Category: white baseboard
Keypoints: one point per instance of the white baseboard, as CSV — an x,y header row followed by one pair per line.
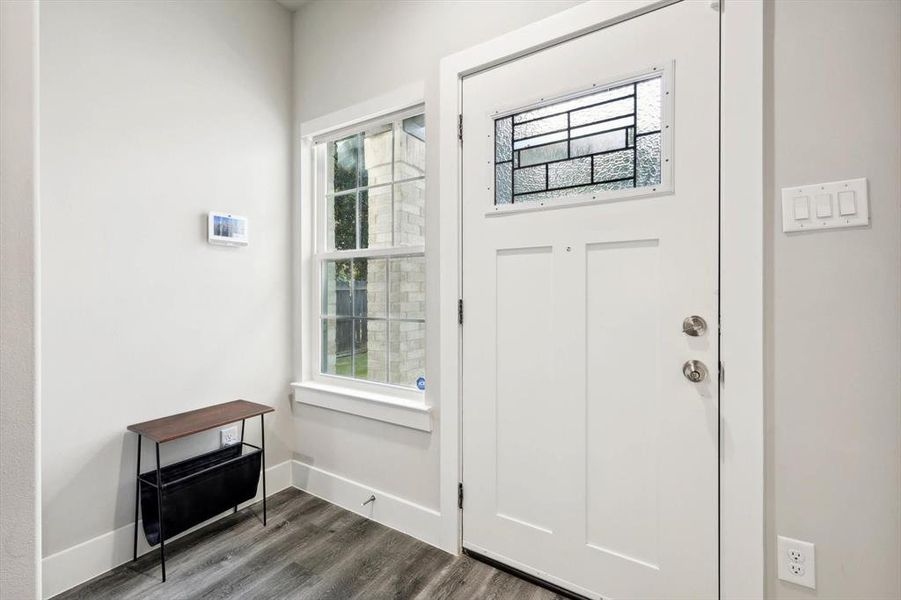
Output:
x,y
394,512
75,565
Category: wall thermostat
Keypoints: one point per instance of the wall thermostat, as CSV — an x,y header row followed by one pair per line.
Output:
x,y
226,229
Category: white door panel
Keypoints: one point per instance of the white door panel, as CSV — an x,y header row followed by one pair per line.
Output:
x,y
621,436
523,380
588,457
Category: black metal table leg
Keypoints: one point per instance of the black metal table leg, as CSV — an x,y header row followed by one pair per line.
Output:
x,y
242,450
159,511
263,463
137,495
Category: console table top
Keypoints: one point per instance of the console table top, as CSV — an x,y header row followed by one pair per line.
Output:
x,y
184,424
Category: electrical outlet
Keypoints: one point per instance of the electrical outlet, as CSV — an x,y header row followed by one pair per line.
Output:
x,y
797,562
229,436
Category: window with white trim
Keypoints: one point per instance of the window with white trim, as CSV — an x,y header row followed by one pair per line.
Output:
x,y
370,210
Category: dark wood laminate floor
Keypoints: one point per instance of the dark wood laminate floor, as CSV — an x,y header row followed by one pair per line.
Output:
x,y
310,550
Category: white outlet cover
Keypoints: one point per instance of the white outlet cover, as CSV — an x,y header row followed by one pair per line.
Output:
x,y
228,436
797,562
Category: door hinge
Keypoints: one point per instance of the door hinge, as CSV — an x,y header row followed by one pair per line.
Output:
x,y
460,311
460,496
460,127
722,372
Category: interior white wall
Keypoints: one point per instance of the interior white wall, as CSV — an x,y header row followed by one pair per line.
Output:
x,y
834,351
191,113
346,52
154,113
20,493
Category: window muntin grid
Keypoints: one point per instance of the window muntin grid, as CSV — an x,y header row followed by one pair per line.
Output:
x,y
601,141
371,264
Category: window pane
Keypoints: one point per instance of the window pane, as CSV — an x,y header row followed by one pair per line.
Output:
x,y
409,213
649,105
375,199
546,125
601,142
605,126
615,185
603,112
648,148
343,163
409,148
570,172
543,154
370,287
529,180
503,183
375,217
370,350
614,165
341,221
406,358
539,140
503,139
406,293
336,282
377,156
337,347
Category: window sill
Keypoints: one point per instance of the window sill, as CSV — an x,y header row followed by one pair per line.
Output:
x,y
379,407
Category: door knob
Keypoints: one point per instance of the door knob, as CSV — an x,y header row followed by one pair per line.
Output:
x,y
695,371
694,326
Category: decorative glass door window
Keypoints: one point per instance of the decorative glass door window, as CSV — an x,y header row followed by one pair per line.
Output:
x,y
600,141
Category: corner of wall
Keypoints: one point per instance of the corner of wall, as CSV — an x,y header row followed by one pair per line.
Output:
x,y
20,467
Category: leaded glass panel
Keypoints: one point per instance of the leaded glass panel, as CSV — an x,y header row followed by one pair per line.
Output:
x,y
600,141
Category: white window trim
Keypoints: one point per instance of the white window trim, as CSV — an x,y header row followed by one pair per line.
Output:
x,y
741,247
379,407
382,402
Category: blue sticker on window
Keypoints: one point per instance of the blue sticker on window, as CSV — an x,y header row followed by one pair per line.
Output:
x,y
420,383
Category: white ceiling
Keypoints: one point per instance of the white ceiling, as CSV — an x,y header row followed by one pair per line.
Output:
x,y
292,4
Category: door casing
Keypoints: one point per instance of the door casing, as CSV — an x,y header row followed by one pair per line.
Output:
x,y
741,264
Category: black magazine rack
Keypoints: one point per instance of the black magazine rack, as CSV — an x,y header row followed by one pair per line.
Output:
x,y
176,497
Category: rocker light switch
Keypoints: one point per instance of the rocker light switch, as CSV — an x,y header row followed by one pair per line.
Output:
x,y
802,208
825,206
846,204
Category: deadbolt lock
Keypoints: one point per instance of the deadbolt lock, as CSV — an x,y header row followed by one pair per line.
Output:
x,y
694,326
695,371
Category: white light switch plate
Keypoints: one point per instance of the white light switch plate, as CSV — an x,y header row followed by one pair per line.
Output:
x,y
828,206
797,561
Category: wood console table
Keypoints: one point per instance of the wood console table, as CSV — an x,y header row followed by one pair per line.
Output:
x,y
202,486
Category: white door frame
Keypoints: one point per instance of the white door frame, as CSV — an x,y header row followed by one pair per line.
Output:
x,y
741,265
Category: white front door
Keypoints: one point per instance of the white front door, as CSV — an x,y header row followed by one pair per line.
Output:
x,y
590,195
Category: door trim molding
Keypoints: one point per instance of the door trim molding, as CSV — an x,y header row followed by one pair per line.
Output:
x,y
741,266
